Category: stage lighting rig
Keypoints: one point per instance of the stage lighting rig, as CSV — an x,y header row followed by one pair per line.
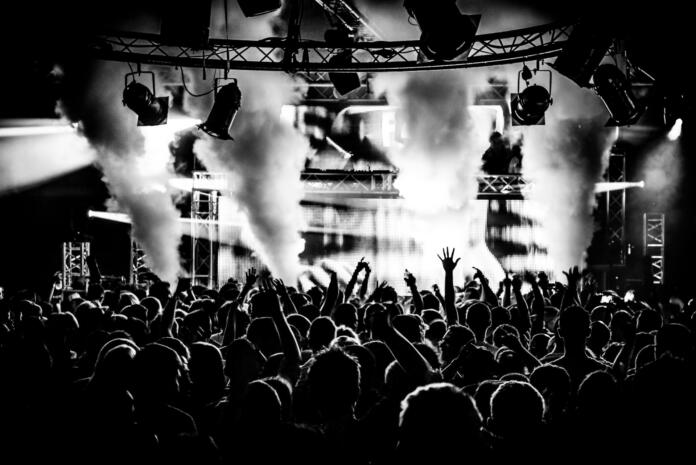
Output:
x,y
258,7
344,83
529,106
583,52
446,33
228,100
615,91
151,110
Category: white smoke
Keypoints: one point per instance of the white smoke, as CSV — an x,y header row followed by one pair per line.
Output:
x,y
264,162
439,161
564,159
93,97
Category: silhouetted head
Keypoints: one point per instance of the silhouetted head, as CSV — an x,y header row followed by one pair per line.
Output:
x,y
517,410
675,339
264,334
574,327
243,361
300,322
206,370
478,318
261,406
114,368
157,372
436,331
434,419
483,395
499,316
553,382
648,320
429,315
283,389
161,291
347,315
309,311
539,345
334,383
599,337
153,306
321,333
410,326
430,301
598,395
455,338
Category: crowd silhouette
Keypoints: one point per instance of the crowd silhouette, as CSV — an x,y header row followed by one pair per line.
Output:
x,y
260,372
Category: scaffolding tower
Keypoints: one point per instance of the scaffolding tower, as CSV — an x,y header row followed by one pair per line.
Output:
x,y
654,245
205,227
138,265
75,264
616,209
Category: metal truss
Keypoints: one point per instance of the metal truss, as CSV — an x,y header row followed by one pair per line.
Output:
x,y
502,185
138,267
351,183
350,18
535,43
616,207
75,264
205,228
654,245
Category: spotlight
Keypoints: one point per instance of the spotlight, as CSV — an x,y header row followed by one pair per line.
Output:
x,y
582,53
228,99
676,130
615,91
675,108
258,7
445,32
530,105
344,83
151,110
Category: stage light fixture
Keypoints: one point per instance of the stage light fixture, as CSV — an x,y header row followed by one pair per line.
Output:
x,y
530,105
228,100
151,110
582,53
258,7
615,91
446,33
344,83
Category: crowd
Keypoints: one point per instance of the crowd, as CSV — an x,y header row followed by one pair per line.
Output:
x,y
260,372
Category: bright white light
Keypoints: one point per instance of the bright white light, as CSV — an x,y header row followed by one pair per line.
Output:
x,y
157,138
676,130
34,127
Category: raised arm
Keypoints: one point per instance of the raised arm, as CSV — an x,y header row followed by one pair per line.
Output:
x,y
487,295
282,291
507,284
331,296
410,359
537,307
521,304
365,282
249,280
169,310
571,297
415,295
291,349
354,279
449,264
513,342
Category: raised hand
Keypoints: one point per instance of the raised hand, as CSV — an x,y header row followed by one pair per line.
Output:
x,y
572,276
436,289
507,282
516,283
278,286
480,276
250,277
409,278
362,265
447,259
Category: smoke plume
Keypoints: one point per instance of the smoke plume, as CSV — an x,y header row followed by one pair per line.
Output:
x,y
439,161
92,97
264,162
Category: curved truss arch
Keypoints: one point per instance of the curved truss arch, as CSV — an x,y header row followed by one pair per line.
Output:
x,y
281,54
